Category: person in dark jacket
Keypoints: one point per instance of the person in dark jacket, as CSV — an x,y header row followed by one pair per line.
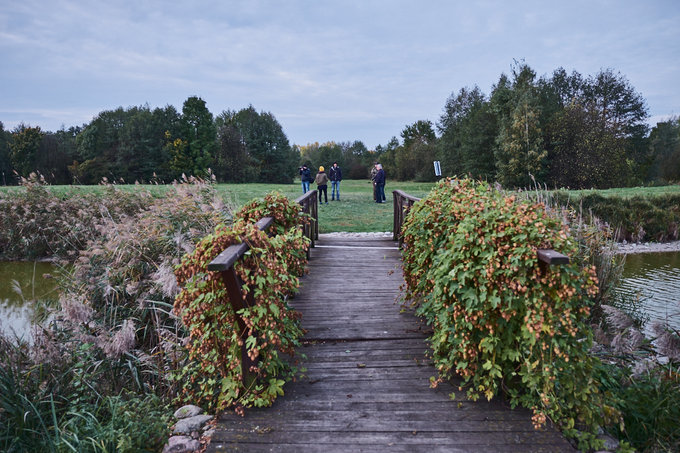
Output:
x,y
306,178
379,181
335,175
322,184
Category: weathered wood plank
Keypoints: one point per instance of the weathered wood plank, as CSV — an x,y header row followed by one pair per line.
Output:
x,y
367,381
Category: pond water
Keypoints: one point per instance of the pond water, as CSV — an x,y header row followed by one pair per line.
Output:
x,y
655,279
25,289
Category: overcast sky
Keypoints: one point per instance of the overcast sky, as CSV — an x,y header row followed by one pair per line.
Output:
x,y
327,70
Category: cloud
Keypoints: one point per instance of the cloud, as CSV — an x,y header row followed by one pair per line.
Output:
x,y
356,67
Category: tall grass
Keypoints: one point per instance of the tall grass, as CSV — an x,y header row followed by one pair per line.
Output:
x,y
97,378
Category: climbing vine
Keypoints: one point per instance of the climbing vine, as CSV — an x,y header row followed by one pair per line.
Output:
x,y
499,323
269,272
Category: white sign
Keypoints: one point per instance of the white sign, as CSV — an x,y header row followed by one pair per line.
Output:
x,y
437,168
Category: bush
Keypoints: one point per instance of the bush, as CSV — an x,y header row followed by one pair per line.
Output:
x,y
637,218
470,265
35,223
214,377
111,347
52,407
649,404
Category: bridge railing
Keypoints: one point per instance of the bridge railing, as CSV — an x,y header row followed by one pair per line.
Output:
x,y
403,203
224,264
310,208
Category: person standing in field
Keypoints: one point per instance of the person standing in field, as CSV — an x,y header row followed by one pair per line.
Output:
x,y
335,175
379,184
306,178
374,170
322,184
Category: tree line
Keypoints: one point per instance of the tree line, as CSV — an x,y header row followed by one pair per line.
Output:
x,y
139,144
561,130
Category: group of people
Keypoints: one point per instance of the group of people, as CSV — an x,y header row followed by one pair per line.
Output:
x,y
334,175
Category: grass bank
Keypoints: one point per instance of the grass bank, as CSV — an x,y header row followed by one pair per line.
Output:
x,y
355,212
635,214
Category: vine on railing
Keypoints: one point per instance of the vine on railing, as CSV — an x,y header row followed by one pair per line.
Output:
x,y
500,320
235,306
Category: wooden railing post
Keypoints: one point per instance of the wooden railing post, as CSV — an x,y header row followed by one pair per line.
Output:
x,y
549,257
310,207
402,203
224,264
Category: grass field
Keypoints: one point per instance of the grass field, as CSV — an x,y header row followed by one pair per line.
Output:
x,y
355,212
627,192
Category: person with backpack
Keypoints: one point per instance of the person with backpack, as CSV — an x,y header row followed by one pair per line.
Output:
x,y
322,184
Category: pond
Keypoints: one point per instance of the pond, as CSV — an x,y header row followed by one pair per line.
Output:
x,y
25,290
654,278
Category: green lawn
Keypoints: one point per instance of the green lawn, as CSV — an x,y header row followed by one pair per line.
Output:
x,y
356,212
627,192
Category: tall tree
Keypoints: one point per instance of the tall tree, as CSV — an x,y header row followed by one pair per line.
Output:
x,y
98,145
24,148
6,173
664,146
520,153
232,162
413,159
468,130
199,132
272,157
587,154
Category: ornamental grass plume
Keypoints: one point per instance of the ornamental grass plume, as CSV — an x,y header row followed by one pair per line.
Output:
x,y
617,318
667,341
121,342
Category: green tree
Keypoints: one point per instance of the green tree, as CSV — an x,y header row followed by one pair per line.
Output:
x,y
664,147
24,148
142,153
356,160
468,131
413,159
199,131
98,145
520,153
587,154
6,173
271,156
232,162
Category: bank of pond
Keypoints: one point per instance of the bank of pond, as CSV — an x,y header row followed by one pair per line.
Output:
x,y
650,280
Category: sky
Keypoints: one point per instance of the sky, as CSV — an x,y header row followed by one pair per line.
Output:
x,y
327,70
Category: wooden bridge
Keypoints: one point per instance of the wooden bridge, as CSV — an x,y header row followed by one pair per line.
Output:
x,y
367,384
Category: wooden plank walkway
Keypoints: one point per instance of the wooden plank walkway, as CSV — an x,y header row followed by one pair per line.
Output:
x,y
367,382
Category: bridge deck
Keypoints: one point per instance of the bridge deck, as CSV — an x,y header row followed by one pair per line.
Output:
x,y
366,387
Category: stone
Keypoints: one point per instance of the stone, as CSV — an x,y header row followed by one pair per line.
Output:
x,y
610,444
188,411
181,444
187,425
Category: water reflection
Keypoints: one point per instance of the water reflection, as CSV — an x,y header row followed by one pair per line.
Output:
x,y
24,293
655,278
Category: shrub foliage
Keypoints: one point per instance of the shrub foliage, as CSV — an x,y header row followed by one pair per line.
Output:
x,y
499,323
634,219
269,272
